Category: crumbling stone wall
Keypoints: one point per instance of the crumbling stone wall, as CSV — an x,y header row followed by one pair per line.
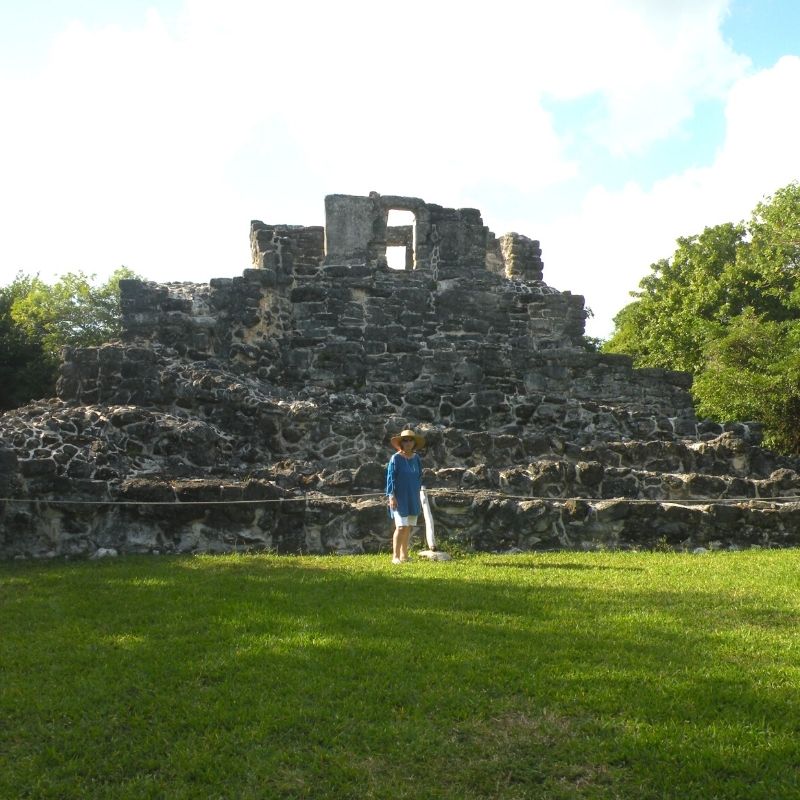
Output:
x,y
432,340
262,406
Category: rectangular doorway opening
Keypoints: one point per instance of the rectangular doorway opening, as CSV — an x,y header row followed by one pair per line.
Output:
x,y
401,235
396,257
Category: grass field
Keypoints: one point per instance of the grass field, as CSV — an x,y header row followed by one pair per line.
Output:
x,y
563,675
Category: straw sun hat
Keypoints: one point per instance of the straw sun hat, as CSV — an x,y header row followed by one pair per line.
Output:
x,y
419,441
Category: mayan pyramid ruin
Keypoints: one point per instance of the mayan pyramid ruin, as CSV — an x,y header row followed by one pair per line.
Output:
x,y
254,413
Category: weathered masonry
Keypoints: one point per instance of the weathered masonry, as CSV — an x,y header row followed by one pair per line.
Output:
x,y
282,387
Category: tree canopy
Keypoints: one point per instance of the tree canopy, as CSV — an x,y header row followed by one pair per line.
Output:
x,y
38,319
726,307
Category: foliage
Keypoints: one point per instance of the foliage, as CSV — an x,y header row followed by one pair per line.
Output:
x,y
27,370
555,675
72,311
684,302
725,307
775,247
38,319
591,343
753,372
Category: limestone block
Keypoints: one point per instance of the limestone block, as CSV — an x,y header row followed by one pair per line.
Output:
x,y
349,226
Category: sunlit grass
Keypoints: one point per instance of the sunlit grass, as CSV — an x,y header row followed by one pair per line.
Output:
x,y
631,675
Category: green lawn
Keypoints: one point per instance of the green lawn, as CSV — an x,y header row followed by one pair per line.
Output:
x,y
563,675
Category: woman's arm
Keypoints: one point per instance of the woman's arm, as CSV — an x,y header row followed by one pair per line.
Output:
x,y
390,476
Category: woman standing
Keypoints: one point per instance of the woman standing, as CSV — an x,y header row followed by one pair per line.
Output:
x,y
403,482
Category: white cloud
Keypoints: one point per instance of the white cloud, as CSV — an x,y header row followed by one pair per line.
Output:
x,y
605,248
114,155
761,146
650,62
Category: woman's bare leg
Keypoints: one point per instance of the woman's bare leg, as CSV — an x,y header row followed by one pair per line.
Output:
x,y
400,542
396,544
404,540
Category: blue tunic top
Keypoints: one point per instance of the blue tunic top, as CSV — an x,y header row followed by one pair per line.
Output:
x,y
404,480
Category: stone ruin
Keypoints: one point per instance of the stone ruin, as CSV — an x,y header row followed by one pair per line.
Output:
x,y
254,413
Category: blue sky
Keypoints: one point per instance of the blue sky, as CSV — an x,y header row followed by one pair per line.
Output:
x,y
764,29
150,133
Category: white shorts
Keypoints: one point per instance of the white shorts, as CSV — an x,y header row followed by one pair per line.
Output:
x,y
404,522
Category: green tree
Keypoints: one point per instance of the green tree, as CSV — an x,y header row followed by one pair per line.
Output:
x,y
753,372
686,301
775,248
72,311
27,371
726,307
38,319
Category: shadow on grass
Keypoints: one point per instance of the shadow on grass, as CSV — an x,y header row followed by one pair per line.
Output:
x,y
562,565
301,678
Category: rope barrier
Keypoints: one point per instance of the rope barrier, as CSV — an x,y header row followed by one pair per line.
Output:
x,y
304,497
433,492
686,501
